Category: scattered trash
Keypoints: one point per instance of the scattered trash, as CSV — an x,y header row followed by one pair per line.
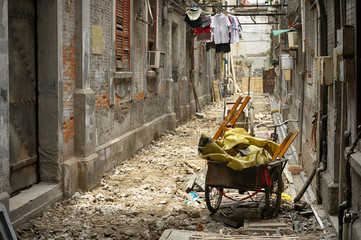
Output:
x,y
192,199
295,169
145,195
286,197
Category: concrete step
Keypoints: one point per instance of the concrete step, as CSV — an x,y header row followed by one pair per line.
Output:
x,y
32,201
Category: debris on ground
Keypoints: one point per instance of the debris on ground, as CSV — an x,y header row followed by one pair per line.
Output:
x,y
162,187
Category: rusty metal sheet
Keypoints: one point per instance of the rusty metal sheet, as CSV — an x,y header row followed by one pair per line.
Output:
x,y
218,174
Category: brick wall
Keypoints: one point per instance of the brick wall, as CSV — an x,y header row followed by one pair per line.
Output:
x,y
330,26
311,98
68,76
139,99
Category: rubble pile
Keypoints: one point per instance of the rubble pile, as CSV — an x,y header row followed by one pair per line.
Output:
x,y
147,194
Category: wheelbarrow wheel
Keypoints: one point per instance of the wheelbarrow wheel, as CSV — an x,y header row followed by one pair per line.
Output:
x,y
273,193
213,198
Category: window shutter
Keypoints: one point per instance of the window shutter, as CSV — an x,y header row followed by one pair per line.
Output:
x,y
152,30
122,42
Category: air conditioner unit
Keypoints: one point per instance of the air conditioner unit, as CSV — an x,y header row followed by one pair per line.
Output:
x,y
324,70
156,59
292,40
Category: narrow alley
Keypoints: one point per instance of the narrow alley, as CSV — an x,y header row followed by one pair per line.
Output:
x,y
146,195
180,119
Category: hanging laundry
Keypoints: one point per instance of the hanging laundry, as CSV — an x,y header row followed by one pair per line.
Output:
x,y
202,30
239,24
206,19
223,47
219,25
210,45
205,37
193,17
203,34
234,29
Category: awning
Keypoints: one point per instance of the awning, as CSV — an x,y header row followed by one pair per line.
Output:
x,y
278,32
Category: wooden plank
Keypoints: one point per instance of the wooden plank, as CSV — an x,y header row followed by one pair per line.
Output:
x,y
190,183
216,90
279,149
176,234
288,144
239,111
235,86
227,118
264,225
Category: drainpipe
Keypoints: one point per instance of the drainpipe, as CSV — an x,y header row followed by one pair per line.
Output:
x,y
324,91
302,73
344,205
348,190
323,159
343,115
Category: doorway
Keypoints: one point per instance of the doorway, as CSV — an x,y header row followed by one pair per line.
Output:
x,y
23,97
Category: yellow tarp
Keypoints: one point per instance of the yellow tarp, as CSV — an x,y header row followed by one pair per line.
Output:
x,y
237,148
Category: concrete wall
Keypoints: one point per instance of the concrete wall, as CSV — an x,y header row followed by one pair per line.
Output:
x,y
4,105
92,117
132,108
312,101
254,48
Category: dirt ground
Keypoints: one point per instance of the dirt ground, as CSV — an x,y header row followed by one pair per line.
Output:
x,y
146,195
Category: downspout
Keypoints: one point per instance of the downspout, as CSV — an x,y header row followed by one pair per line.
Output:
x,y
323,159
344,205
323,142
347,135
345,216
302,73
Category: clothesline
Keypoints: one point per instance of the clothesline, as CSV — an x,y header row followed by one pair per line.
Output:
x,y
220,29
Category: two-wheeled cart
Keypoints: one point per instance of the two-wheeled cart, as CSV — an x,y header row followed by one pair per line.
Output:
x,y
265,179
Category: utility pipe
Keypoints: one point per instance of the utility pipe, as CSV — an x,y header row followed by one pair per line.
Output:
x,y
343,118
307,183
324,91
323,159
348,187
344,205
302,74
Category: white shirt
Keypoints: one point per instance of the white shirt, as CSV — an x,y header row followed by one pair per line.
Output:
x,y
219,25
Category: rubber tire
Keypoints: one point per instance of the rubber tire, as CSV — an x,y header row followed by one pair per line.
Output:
x,y
208,190
273,207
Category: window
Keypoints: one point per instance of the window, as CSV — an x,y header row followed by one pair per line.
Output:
x,y
152,30
122,42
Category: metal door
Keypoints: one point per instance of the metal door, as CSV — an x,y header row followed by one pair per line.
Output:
x,y
22,94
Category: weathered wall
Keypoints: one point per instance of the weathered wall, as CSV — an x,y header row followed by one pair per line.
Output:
x,y
68,35
4,105
80,90
351,88
254,48
311,87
